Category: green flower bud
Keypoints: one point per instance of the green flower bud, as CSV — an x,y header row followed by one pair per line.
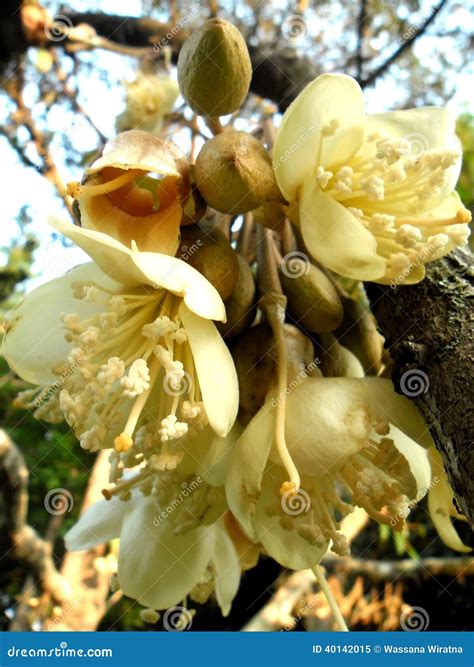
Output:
x,y
234,173
313,300
241,305
214,69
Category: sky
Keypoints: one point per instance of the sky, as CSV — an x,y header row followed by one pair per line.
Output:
x,y
103,103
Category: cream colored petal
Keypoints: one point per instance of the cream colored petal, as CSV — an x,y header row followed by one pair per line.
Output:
x,y
384,403
295,153
34,342
246,467
280,542
327,421
336,238
136,149
215,370
427,128
208,455
441,506
226,569
418,463
100,523
157,567
134,268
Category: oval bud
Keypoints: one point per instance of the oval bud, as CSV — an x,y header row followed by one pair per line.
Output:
x,y
358,332
214,69
207,249
241,305
234,173
313,300
337,360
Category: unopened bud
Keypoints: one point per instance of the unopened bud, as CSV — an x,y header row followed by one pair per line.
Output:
x,y
337,360
234,174
241,305
358,332
214,69
313,300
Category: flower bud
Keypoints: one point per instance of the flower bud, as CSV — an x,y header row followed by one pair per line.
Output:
x,y
358,332
134,191
337,360
255,358
207,249
234,173
241,305
214,69
312,298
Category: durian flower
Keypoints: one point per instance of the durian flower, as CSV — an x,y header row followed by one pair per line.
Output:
x,y
342,433
441,505
136,190
373,195
173,542
124,342
149,98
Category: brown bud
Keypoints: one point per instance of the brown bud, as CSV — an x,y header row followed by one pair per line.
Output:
x,y
207,249
241,305
337,360
358,332
312,298
234,173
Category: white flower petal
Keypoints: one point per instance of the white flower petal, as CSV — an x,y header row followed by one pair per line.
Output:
x,y
330,96
226,569
283,544
418,462
208,455
133,268
441,506
326,422
100,523
157,567
335,237
247,463
34,342
426,128
386,404
215,370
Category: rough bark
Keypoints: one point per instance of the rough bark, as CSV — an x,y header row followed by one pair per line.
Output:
x,y
429,332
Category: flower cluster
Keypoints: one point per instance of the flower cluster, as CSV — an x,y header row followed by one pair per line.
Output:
x,y
217,458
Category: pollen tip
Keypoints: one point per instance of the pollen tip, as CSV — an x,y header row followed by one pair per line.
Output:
x,y
106,493
123,442
289,489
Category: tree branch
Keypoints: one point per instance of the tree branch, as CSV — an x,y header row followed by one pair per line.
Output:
x,y
428,332
404,46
